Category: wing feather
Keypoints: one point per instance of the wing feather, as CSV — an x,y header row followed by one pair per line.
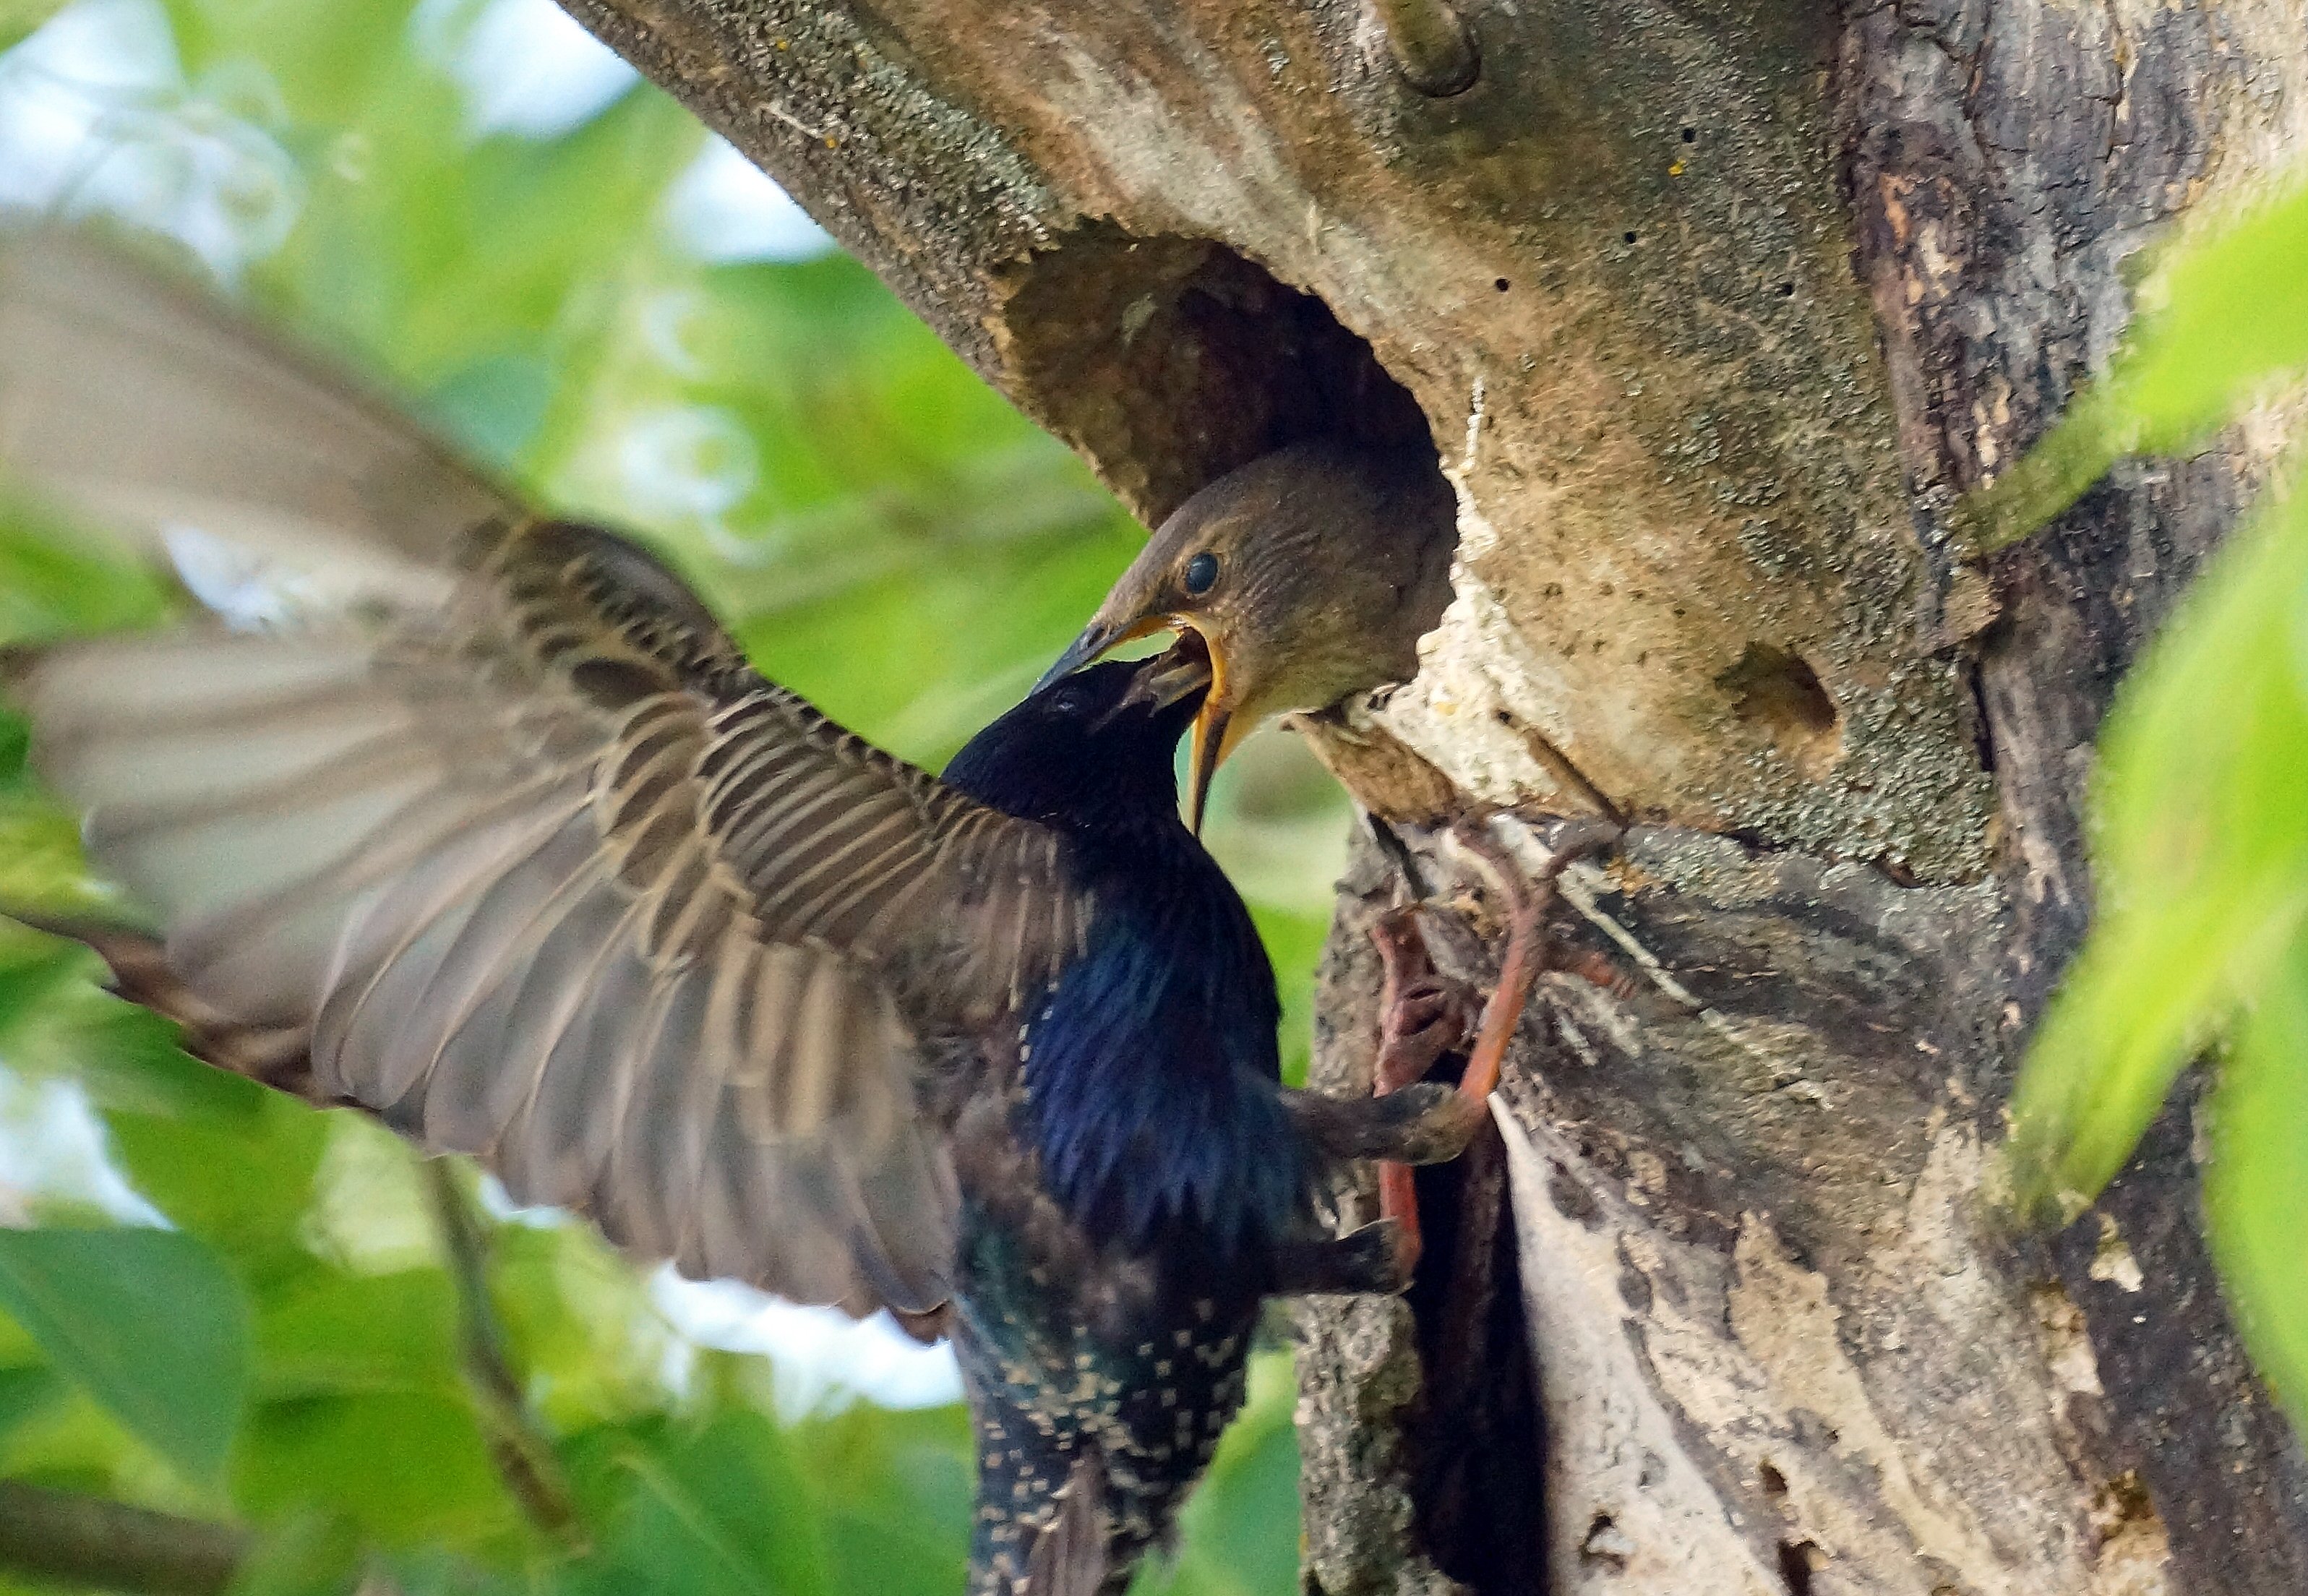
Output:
x,y
548,876
146,408
518,848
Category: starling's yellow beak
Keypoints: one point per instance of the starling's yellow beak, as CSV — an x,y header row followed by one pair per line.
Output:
x,y
1217,729
1216,732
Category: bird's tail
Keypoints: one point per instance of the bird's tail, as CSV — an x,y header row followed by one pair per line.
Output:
x,y
1069,1557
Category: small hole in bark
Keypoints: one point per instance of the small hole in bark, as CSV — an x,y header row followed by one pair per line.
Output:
x,y
1628,236
1785,290
1798,1561
1502,285
1605,1543
1690,135
1774,1484
1776,691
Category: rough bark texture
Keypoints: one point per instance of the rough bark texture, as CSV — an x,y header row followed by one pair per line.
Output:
x,y
1710,310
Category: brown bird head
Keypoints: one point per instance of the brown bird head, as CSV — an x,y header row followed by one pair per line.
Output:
x,y
1309,575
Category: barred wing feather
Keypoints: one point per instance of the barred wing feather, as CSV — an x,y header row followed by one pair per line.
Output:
x,y
551,877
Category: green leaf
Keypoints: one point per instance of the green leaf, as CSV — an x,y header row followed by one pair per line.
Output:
x,y
2254,1188
54,1020
327,1332
33,971
242,1185
2224,316
408,1468
2201,856
53,586
580,1326
149,1322
892,1489
41,867
718,1509
24,1391
313,1554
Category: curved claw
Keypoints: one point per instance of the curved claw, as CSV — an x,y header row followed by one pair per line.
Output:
x,y
1373,1259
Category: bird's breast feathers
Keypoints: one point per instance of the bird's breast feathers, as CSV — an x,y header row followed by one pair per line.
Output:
x,y
1149,1073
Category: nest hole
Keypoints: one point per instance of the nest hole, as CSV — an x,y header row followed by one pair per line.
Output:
x,y
1776,692
1170,361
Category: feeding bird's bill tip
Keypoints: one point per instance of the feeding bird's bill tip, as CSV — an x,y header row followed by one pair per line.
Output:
x,y
1099,639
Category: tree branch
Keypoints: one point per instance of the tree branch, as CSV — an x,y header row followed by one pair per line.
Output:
x,y
86,1540
523,1455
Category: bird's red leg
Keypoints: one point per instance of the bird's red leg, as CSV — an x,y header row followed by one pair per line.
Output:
x,y
1519,971
1422,1017
1528,954
1415,1027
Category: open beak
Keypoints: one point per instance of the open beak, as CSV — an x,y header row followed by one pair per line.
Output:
x,y
1179,673
1215,735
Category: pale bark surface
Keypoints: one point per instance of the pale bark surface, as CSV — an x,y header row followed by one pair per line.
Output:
x,y
1710,311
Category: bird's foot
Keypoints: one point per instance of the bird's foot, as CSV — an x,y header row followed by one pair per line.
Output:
x,y
1425,1015
1369,1261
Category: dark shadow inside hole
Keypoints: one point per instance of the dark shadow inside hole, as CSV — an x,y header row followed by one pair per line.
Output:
x,y
1690,135
1776,691
1795,1565
1170,361
1628,236
1475,1440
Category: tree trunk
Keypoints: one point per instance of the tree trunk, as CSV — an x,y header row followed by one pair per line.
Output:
x,y
1710,310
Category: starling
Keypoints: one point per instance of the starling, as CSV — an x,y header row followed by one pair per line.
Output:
x,y
1310,574
517,851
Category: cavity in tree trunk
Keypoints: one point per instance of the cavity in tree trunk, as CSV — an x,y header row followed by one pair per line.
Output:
x,y
1710,312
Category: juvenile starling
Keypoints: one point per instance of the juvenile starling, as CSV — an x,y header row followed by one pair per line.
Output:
x,y
1310,574
521,855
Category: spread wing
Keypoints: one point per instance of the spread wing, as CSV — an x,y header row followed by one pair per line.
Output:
x,y
136,403
521,850
550,876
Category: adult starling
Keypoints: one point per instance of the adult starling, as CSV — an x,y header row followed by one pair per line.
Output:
x,y
521,854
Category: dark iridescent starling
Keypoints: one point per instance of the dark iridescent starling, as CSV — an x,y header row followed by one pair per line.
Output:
x,y
521,854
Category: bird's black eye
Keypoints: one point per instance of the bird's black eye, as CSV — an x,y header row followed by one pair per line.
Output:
x,y
1202,571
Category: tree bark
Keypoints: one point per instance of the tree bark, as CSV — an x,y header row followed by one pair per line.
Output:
x,y
1710,311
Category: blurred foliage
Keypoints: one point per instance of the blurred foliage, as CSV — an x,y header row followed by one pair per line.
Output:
x,y
20,17
2201,835
290,1352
